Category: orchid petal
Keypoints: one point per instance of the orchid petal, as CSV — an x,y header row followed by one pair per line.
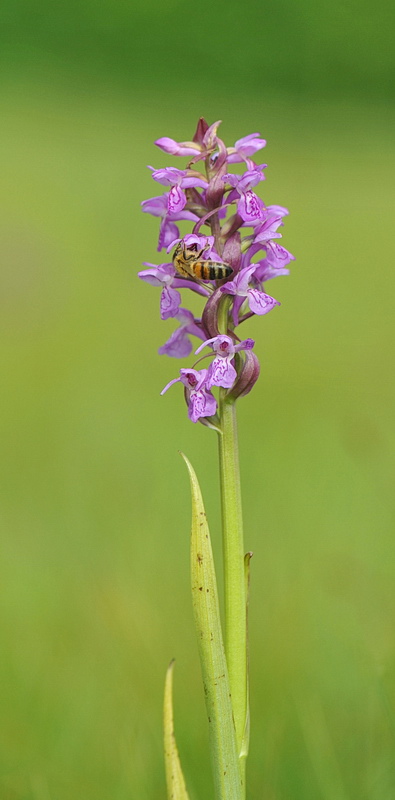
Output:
x,y
233,180
250,207
221,373
177,148
178,346
157,206
278,211
167,233
191,180
175,380
243,278
168,176
246,344
150,276
260,302
265,272
250,144
251,178
278,256
170,301
207,342
176,200
201,404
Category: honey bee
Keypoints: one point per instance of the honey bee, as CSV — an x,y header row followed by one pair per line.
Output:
x,y
189,263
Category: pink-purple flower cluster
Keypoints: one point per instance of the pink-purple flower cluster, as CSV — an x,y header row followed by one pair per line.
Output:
x,y
226,205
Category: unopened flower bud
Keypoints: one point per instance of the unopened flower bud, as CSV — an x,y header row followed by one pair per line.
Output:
x,y
201,129
247,375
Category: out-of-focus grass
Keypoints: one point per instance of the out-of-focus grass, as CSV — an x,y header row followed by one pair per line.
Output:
x,y
95,507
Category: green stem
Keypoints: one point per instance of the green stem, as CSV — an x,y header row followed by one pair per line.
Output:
x,y
233,555
234,573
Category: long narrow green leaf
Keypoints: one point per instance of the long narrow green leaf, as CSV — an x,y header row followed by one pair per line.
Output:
x,y
176,789
227,777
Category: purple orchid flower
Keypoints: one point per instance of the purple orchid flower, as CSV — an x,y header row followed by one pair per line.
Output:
x,y
193,240
267,228
196,242
158,207
178,179
277,211
163,275
221,371
264,232
244,148
262,239
265,271
258,301
278,256
209,142
178,148
201,403
250,207
179,344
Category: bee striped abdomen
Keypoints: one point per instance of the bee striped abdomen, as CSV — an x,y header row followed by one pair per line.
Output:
x,y
211,270
188,264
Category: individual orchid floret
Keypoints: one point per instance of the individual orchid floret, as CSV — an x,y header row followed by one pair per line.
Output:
x,y
178,179
206,144
192,241
163,275
267,228
249,178
265,272
258,301
262,239
277,211
178,148
221,371
245,148
250,207
179,345
201,403
158,207
277,255
166,276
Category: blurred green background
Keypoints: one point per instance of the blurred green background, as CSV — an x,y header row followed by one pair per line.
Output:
x,y
95,509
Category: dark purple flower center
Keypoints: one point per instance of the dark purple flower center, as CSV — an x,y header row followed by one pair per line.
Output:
x,y
192,379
